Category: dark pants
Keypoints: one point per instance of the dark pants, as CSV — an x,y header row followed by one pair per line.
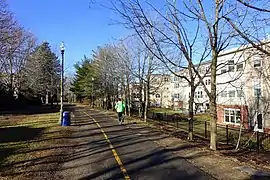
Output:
x,y
120,116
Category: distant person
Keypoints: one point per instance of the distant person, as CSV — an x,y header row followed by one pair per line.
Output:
x,y
120,107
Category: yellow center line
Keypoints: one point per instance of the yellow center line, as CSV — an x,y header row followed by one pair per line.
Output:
x,y
117,158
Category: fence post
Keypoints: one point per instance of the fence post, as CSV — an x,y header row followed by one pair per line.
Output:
x,y
205,129
165,117
227,133
258,141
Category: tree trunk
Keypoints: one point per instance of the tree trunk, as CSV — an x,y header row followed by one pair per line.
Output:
x,y
128,98
125,101
47,98
147,89
144,98
190,113
140,98
213,104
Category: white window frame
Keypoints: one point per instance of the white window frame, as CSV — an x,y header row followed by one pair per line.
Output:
x,y
207,68
231,114
223,71
224,92
240,93
254,84
232,65
257,59
207,82
230,92
199,94
237,69
256,123
176,85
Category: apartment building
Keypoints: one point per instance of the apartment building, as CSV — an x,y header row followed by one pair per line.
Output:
x,y
160,95
242,89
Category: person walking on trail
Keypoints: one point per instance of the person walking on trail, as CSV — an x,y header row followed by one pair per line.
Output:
x,y
120,107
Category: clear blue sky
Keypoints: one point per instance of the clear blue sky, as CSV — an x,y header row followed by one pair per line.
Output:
x,y
82,27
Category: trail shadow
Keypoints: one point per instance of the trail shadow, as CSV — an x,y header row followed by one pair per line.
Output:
x,y
38,109
120,138
16,134
254,177
5,152
154,164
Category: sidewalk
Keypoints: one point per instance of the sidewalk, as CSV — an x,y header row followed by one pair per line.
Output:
x,y
212,162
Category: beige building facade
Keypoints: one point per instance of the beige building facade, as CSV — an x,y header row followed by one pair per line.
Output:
x,y
243,82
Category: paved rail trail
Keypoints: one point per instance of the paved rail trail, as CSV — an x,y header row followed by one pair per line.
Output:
x,y
103,149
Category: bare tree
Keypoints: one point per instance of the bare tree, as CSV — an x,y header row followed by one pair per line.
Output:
x,y
141,67
213,33
15,47
171,44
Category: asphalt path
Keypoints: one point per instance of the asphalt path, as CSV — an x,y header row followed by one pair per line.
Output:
x,y
103,149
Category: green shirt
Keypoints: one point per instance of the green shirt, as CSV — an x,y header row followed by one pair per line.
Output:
x,y
120,106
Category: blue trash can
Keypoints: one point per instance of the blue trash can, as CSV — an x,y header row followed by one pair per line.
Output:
x,y
66,119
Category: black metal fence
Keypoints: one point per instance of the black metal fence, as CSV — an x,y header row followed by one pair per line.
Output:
x,y
225,134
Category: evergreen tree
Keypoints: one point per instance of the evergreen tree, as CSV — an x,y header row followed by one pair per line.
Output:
x,y
85,76
42,71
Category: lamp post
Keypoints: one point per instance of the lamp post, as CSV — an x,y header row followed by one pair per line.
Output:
x,y
93,92
62,49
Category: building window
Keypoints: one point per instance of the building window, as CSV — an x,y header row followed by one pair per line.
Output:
x,y
207,82
240,93
157,95
176,85
257,63
201,70
176,96
240,67
231,62
223,71
166,79
257,88
207,69
224,94
232,116
176,78
232,93
199,94
231,66
260,121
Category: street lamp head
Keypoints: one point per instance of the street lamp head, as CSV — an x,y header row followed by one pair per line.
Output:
x,y
62,47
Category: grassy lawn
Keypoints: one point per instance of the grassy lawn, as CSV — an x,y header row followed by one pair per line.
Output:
x,y
28,143
168,111
199,129
248,139
164,110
